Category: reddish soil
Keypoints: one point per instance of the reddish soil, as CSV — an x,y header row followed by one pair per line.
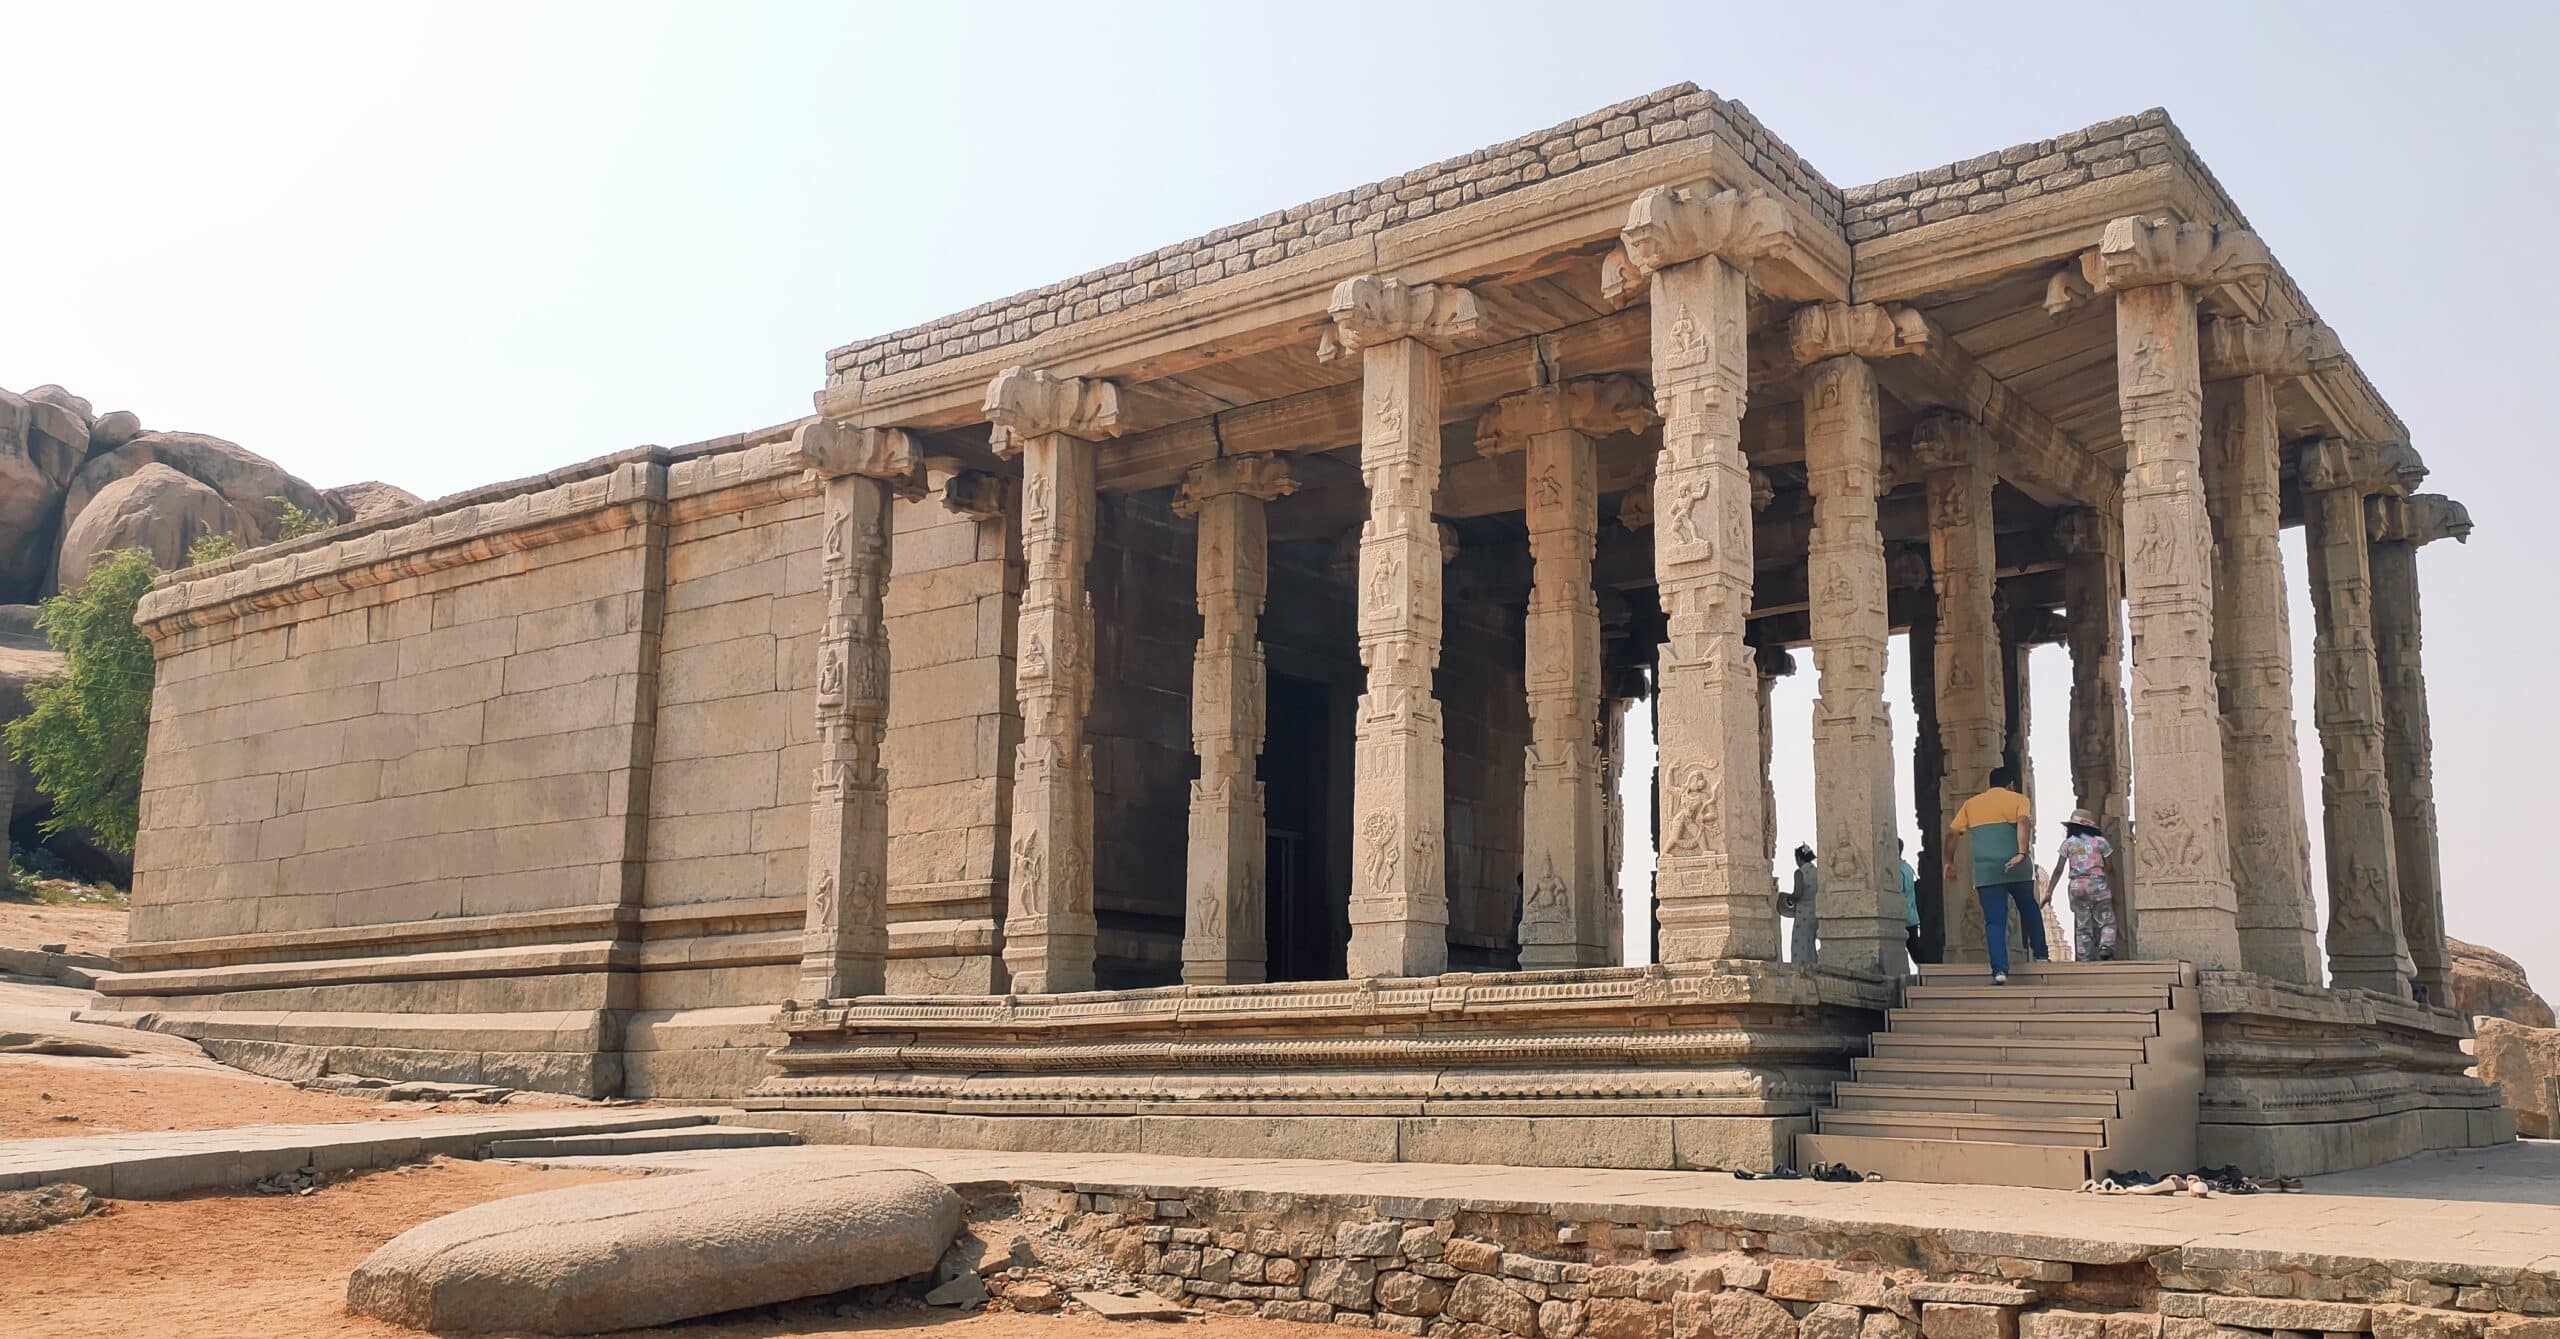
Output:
x,y
275,1267
78,928
36,1092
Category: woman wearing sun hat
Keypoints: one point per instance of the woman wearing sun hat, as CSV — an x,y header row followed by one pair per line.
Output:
x,y
2083,860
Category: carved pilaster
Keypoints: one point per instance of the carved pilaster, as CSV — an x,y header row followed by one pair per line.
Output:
x,y
1713,896
1399,894
2185,901
845,951
1956,456
2253,656
1222,932
1050,423
1852,732
1566,877
2396,528
2368,946
2101,755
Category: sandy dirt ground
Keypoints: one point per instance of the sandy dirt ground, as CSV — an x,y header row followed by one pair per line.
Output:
x,y
46,1098
275,1267
80,929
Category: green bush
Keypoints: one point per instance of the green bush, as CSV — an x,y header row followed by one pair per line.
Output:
x,y
84,737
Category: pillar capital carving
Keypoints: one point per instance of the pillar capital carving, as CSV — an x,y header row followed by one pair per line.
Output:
x,y
2420,518
2335,463
1862,329
1027,402
832,449
1592,406
1261,477
2236,346
1669,225
1906,567
975,494
1374,309
2085,531
1773,662
1942,440
2138,252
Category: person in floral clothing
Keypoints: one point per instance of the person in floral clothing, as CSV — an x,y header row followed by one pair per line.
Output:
x,y
2083,860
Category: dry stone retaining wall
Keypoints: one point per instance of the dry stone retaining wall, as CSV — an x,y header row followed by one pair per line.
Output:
x,y
1544,1271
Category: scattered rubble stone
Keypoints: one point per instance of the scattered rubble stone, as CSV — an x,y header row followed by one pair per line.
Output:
x,y
40,1208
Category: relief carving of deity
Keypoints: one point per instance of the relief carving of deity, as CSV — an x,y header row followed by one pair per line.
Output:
x,y
1426,855
1380,832
1550,488
1209,915
1030,870
1547,896
1035,497
1685,502
1035,657
1075,886
822,902
831,675
1383,584
835,536
1696,821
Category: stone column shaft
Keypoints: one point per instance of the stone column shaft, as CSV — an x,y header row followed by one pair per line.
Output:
x,y
2398,527
1971,715
1399,893
2253,669
845,951
1223,936
1049,423
2101,757
2368,948
1565,874
1853,799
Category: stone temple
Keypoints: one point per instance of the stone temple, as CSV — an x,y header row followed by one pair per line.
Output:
x,y
1181,708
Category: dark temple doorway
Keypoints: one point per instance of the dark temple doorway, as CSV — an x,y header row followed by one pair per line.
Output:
x,y
1297,773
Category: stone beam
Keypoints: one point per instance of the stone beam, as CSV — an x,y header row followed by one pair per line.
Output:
x,y
2036,456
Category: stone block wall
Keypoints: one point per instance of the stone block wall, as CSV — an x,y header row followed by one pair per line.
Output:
x,y
1146,628
1484,698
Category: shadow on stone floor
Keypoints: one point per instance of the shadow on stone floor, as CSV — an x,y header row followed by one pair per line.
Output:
x,y
2524,1172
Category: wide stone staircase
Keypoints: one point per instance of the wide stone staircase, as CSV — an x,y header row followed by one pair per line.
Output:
x,y
2070,1071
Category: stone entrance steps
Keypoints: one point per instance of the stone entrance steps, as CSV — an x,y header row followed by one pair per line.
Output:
x,y
623,1143
2069,1071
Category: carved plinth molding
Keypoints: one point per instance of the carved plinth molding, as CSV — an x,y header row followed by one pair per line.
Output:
x,y
1971,713
1713,897
2253,672
2216,261
2367,939
1399,894
1222,931
2396,528
1049,423
846,945
1853,797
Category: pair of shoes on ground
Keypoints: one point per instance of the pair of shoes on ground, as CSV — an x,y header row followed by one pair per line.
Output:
x,y
1781,1172
1841,1172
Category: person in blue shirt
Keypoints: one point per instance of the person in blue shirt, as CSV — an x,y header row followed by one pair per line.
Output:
x,y
1910,903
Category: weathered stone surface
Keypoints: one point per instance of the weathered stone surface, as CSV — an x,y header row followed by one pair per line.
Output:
x,y
2489,984
1410,1294
1340,1282
1966,1320
1625,1318
625,1254
248,481
78,406
1475,1257
2413,1322
1831,1320
155,509
44,1206
2525,1064
1731,1314
371,498
113,429
1485,1300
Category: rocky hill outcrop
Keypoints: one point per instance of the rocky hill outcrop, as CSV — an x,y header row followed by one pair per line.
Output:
x,y
2489,984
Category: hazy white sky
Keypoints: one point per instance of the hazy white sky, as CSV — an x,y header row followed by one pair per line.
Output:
x,y
443,244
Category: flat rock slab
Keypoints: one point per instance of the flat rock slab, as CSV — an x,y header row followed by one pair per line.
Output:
x,y
628,1254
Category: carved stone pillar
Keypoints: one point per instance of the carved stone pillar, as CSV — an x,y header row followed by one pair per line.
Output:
x,y
1713,894
1565,873
2397,527
1962,560
2253,643
2101,759
2368,946
1771,663
1222,931
1399,894
1907,569
1853,796
846,949
2184,901
1051,423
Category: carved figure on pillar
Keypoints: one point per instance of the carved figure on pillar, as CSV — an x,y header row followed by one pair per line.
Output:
x,y
1050,423
1853,797
2253,640
2397,528
1956,457
2101,754
1222,933
1696,252
859,472
2185,906
1568,880
1399,899
2368,944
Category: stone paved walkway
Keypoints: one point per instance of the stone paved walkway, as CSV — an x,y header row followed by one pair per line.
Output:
x,y
155,1165
2387,1214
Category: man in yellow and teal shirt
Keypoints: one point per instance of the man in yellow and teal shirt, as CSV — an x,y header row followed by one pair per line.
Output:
x,y
1995,830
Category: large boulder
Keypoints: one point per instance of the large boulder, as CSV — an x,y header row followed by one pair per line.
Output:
x,y
2489,984
154,508
79,408
114,429
2525,1064
248,481
41,447
627,1254
364,501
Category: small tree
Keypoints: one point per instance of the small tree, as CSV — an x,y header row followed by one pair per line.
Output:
x,y
85,735
211,547
292,522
